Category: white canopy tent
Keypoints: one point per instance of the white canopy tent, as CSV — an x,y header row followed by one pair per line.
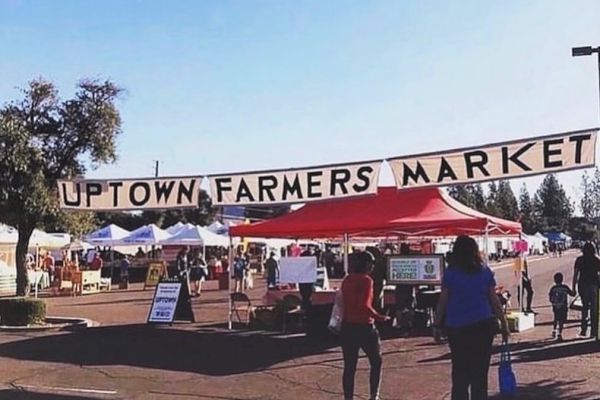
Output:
x,y
146,235
108,236
197,236
178,227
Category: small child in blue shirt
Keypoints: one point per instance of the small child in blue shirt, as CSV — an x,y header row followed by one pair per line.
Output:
x,y
560,304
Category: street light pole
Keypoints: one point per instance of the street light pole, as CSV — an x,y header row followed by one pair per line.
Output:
x,y
588,51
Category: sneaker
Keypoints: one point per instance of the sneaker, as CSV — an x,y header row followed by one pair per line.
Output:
x,y
553,334
559,337
582,334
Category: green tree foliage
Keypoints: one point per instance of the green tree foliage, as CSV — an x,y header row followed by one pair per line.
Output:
x,y
528,218
44,138
588,203
551,205
491,205
506,202
470,195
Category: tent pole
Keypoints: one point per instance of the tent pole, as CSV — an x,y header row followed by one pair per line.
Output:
x,y
346,253
230,269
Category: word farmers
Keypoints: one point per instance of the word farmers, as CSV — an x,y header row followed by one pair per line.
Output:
x,y
296,186
129,194
497,161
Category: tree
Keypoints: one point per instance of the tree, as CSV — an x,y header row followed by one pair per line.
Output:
x,y
470,195
588,203
526,211
506,202
491,206
43,139
551,205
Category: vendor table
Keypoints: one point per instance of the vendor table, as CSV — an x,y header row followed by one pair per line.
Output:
x,y
323,297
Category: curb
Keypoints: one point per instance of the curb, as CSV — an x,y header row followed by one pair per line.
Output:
x,y
55,324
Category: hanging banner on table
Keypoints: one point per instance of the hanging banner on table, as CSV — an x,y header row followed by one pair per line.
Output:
x,y
417,269
519,158
129,194
296,185
298,269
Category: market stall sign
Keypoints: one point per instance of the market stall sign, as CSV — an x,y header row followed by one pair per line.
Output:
x,y
296,185
156,270
417,269
171,302
526,157
129,194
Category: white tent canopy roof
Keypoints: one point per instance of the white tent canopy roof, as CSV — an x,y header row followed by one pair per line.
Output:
x,y
197,236
107,236
8,234
145,235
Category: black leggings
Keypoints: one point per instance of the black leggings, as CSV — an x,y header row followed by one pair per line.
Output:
x,y
471,349
355,337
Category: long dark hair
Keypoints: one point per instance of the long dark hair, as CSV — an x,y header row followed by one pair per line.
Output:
x,y
589,251
465,255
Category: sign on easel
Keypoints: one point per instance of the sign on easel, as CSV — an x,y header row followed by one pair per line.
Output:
x,y
156,271
171,302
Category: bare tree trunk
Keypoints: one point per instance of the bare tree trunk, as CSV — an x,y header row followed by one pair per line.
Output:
x,y
25,233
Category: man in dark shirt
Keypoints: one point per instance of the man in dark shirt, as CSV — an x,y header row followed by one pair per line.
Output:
x,y
272,268
587,281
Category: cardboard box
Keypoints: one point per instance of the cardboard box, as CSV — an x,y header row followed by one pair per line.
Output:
x,y
519,322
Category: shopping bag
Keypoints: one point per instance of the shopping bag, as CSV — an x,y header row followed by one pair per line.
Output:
x,y
506,376
337,314
576,304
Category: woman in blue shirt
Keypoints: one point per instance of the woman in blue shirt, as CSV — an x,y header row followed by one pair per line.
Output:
x,y
469,308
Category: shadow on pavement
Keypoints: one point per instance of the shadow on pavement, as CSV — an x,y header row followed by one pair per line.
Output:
x,y
216,353
551,389
22,395
560,350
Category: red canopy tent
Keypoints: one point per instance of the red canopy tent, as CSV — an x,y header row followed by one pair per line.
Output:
x,y
423,212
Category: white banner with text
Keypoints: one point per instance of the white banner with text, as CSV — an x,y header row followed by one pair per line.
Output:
x,y
296,185
520,158
129,194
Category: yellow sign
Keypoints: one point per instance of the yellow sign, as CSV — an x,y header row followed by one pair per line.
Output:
x,y
155,271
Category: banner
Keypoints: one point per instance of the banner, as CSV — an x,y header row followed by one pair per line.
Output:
x,y
296,185
129,194
298,269
519,158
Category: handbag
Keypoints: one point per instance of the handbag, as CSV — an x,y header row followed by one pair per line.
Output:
x,y
576,304
506,376
337,314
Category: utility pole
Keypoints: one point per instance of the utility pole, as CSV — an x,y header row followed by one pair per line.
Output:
x,y
156,163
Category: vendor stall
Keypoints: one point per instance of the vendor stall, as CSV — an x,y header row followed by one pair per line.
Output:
x,y
390,213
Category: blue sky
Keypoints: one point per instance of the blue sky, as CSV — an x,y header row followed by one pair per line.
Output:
x,y
219,86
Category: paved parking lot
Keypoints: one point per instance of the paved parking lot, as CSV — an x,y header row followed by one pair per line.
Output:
x,y
124,358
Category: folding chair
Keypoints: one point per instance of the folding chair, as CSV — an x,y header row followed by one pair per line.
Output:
x,y
292,308
241,303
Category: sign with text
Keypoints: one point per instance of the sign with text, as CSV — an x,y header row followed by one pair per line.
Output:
x,y
298,270
156,270
164,303
526,157
417,269
296,185
129,194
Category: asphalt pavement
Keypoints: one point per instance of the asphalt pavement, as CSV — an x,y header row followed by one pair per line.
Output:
x,y
124,358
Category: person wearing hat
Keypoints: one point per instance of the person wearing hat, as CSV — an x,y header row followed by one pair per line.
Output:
x,y
358,324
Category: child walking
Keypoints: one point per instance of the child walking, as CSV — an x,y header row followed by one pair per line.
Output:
x,y
559,298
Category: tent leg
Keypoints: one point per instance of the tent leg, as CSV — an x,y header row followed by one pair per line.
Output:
x,y
346,253
230,269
